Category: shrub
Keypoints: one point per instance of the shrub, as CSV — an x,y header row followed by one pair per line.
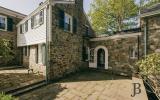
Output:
x,y
6,52
150,65
6,97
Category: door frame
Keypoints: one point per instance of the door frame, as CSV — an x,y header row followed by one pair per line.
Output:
x,y
106,55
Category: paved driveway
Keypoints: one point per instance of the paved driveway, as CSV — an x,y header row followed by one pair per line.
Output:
x,y
90,85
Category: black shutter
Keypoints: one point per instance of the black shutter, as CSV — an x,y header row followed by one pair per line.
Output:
x,y
61,19
32,22
74,25
9,24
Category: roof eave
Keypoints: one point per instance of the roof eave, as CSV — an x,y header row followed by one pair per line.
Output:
x,y
148,14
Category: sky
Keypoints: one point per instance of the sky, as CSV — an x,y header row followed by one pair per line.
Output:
x,y
27,6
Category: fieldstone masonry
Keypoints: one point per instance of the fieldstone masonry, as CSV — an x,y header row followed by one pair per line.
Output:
x,y
12,37
66,47
119,60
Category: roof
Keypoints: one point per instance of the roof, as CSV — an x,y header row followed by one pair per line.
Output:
x,y
41,6
9,12
150,11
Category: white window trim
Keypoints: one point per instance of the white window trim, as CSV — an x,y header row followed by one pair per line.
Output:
x,y
133,56
71,22
39,23
5,23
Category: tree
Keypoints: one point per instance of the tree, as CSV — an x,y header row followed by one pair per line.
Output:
x,y
5,50
109,15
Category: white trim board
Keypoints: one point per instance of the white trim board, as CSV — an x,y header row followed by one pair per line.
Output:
x,y
116,36
11,13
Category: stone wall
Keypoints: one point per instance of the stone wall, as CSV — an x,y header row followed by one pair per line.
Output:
x,y
119,59
11,36
153,36
66,47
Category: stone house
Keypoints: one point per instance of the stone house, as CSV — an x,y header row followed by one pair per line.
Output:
x,y
57,39
150,24
8,21
54,38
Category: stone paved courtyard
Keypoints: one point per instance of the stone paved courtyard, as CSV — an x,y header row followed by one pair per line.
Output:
x,y
89,85
14,78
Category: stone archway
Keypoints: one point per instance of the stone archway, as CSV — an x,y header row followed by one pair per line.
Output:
x,y
101,57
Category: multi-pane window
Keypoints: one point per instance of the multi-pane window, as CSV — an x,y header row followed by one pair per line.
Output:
x,y
37,19
26,51
24,27
41,17
3,23
68,23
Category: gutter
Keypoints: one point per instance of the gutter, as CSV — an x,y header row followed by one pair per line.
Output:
x,y
145,37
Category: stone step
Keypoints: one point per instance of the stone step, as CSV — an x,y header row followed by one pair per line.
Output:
x,y
27,88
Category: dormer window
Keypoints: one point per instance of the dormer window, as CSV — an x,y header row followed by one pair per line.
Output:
x,y
3,23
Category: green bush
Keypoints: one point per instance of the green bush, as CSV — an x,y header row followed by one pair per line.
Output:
x,y
150,65
6,97
6,52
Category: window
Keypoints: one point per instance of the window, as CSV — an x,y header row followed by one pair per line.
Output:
x,y
43,47
26,51
3,23
133,53
24,27
41,17
91,55
74,25
68,23
21,29
37,19
85,53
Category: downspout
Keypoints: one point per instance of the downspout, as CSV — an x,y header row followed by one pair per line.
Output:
x,y
138,39
48,39
145,36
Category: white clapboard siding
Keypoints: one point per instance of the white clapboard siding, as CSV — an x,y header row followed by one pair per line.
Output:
x,y
33,36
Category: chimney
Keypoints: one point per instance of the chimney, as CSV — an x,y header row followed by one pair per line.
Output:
x,y
40,3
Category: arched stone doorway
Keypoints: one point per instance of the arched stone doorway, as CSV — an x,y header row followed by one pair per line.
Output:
x,y
101,52
101,58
